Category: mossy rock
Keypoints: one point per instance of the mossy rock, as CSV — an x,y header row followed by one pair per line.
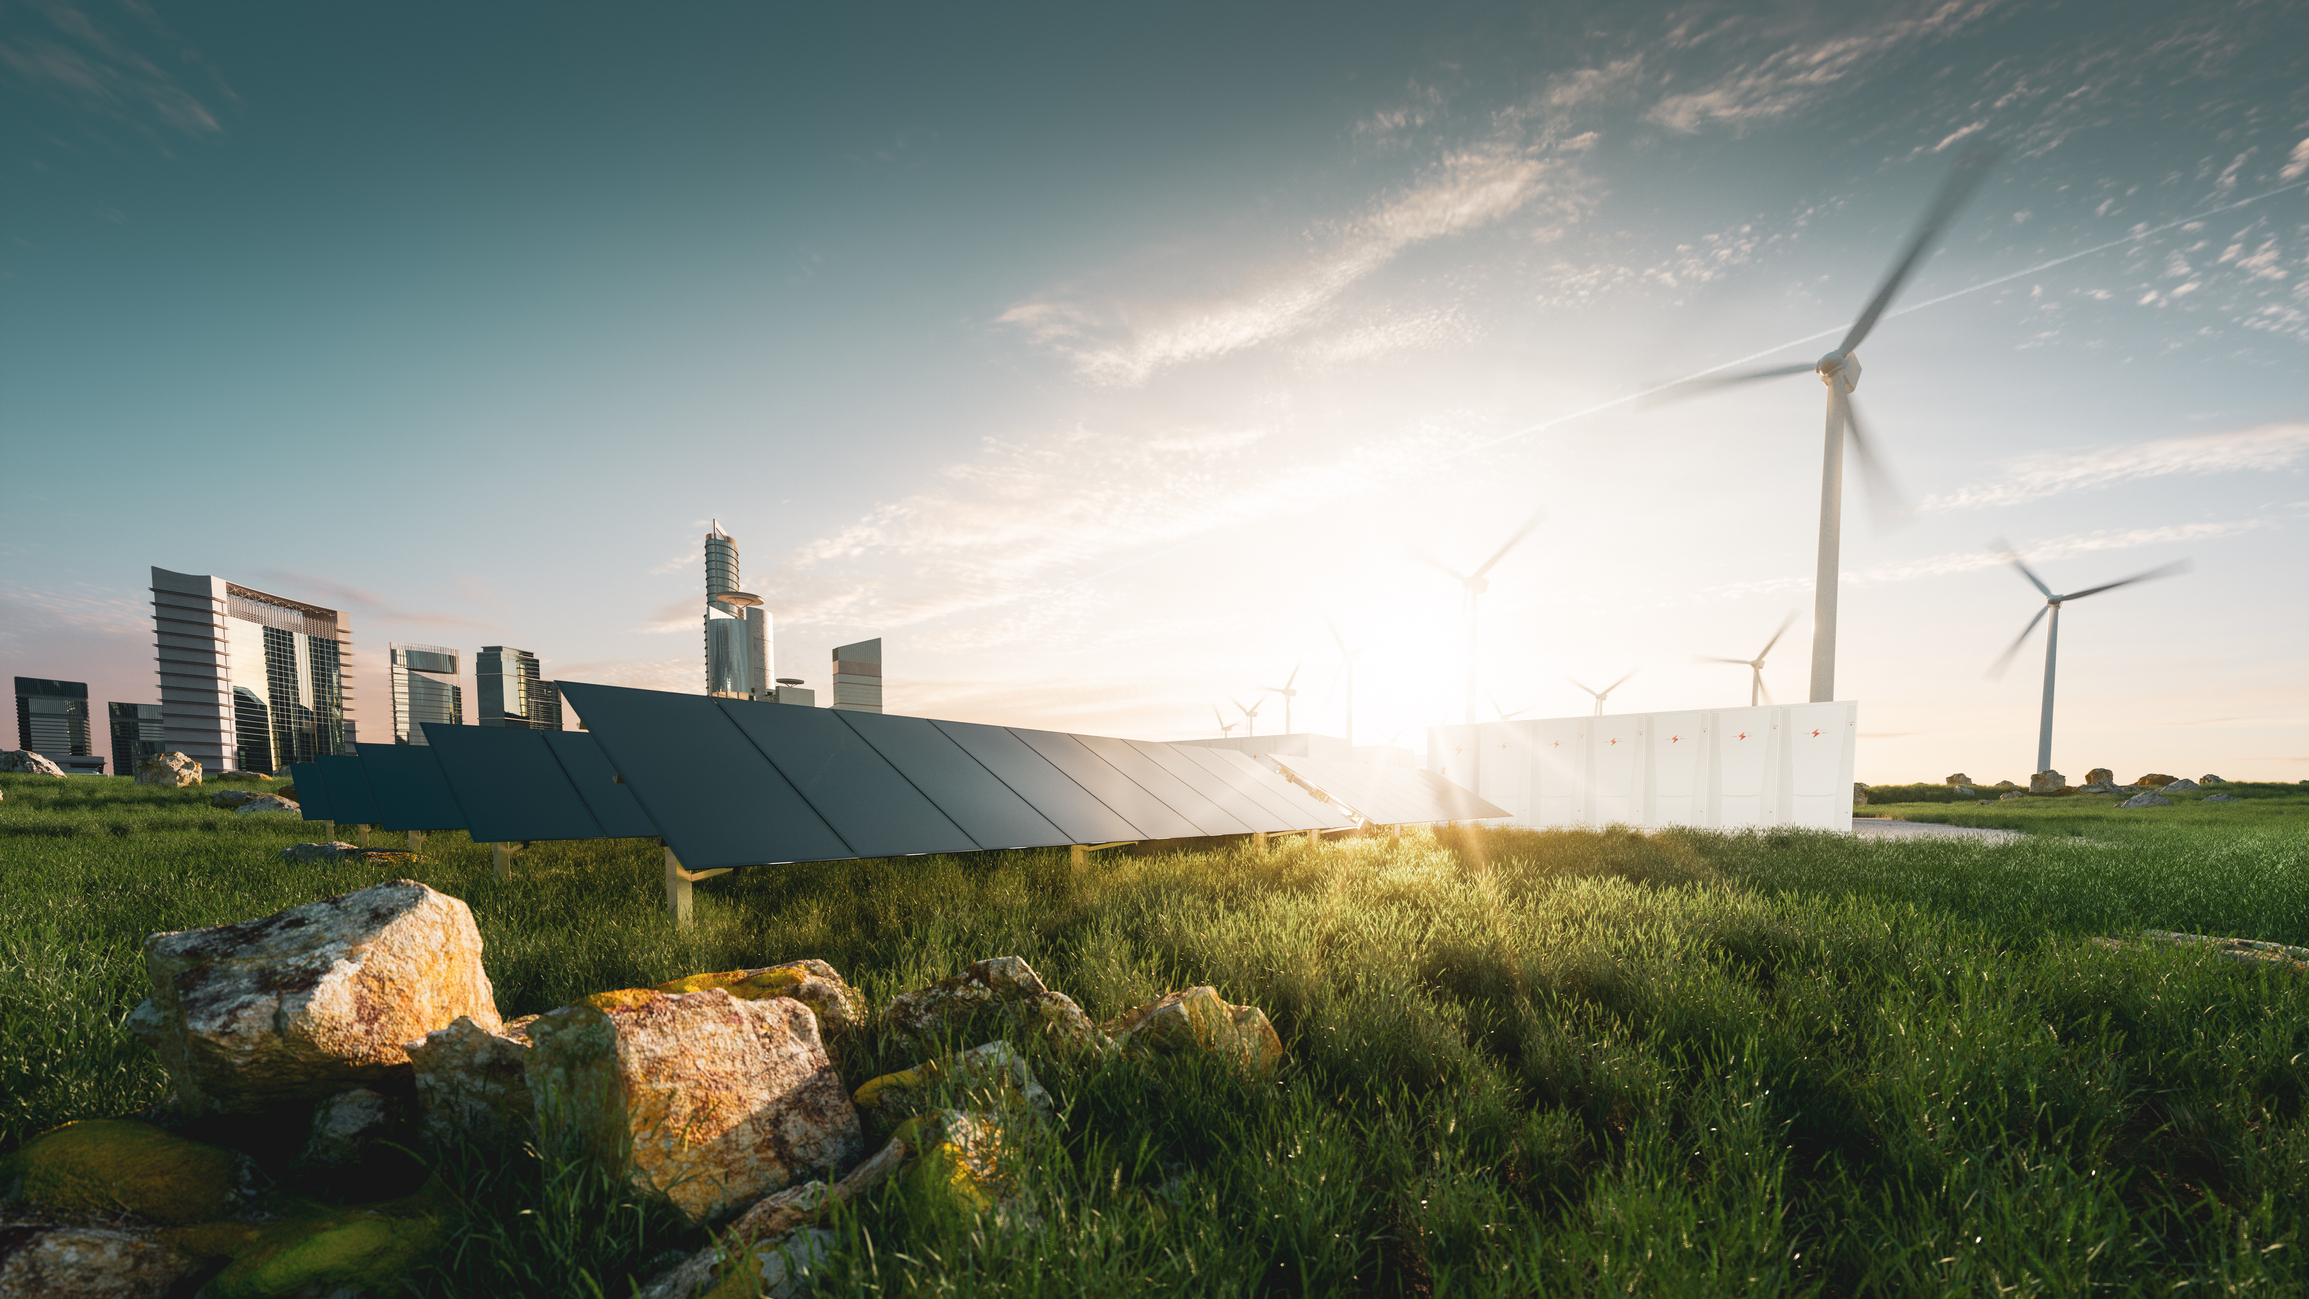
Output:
x,y
959,1160
123,1165
324,1249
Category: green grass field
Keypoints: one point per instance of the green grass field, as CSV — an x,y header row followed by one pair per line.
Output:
x,y
1520,1063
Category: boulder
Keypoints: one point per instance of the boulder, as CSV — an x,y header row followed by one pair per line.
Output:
x,y
309,1001
1859,793
242,775
2211,780
329,1252
87,1262
2047,781
2004,784
24,762
2100,776
994,1072
2147,798
320,851
231,798
813,983
2009,795
761,1242
961,1160
346,1125
1198,1019
708,1099
172,770
1003,988
113,1166
2220,798
2155,780
2176,786
1958,779
473,1085
267,803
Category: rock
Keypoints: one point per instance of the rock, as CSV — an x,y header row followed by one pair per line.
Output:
x,y
288,791
813,983
71,1262
111,1166
2175,787
2047,781
312,1000
474,1084
1958,779
2009,795
242,775
233,798
173,770
346,1125
2147,798
703,1097
1965,791
331,1252
2155,780
995,1068
268,803
1001,987
2004,784
319,851
766,1228
24,762
2220,798
960,1159
2100,776
2211,780
1199,1020
1859,793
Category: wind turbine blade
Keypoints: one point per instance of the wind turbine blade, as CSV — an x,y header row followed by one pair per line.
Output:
x,y
1698,658
1621,682
1537,517
1575,681
2004,660
1432,562
1707,383
1293,679
1336,638
2005,548
1785,624
1953,193
2169,570
1765,689
1887,504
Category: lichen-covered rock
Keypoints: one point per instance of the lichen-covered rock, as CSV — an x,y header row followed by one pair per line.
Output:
x,y
962,1159
24,762
1005,987
253,776
47,1261
2047,781
813,983
1859,793
333,1251
2010,794
2147,798
994,1072
474,1084
231,798
321,852
706,1098
2155,780
2211,780
2100,776
312,1000
113,1166
754,1240
268,803
346,1125
173,770
1198,1019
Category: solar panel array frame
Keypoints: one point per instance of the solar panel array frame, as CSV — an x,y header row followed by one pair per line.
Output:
x,y
1389,795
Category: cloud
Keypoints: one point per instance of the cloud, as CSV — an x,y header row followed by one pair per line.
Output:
x,y
1793,76
2044,551
2297,163
1389,334
82,607
2266,447
680,675
331,593
90,71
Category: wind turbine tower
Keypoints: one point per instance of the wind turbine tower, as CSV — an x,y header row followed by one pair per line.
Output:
x,y
1473,585
2052,604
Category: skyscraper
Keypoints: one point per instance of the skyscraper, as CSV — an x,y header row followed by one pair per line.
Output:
x,y
512,691
137,733
737,627
858,676
248,680
425,690
52,717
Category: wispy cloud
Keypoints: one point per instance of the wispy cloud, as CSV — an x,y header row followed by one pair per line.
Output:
x,y
78,63
2266,447
82,606
333,594
1796,74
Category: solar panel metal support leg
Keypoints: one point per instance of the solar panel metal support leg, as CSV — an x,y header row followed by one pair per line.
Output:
x,y
416,840
1314,837
1078,855
329,831
677,892
1259,842
501,857
364,837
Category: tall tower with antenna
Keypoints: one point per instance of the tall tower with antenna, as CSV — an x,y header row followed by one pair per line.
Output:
x,y
737,627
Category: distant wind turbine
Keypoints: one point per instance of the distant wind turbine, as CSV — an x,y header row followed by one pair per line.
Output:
x,y
2052,604
1840,371
1507,716
1221,718
1346,666
1605,693
1250,714
1287,693
1756,691
1474,585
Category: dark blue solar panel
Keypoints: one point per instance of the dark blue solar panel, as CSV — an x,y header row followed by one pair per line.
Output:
x,y
312,790
1077,813
1151,817
349,793
1174,792
990,812
595,781
508,785
876,810
411,793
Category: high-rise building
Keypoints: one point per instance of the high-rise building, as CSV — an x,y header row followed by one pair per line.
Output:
x,y
425,690
737,627
858,676
513,692
138,732
52,717
249,681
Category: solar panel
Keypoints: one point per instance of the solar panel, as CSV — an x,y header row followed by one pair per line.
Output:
x,y
312,791
990,812
349,793
1079,817
1390,795
1286,806
596,782
1207,785
1150,816
712,795
411,793
868,802
508,785
1175,794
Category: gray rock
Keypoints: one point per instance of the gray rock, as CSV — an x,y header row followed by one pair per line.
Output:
x,y
2147,798
2179,785
474,1084
1859,793
111,1262
268,803
172,770
320,851
24,762
2220,798
346,1125
2006,797
2211,780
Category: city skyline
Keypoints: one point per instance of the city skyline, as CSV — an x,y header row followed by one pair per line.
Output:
x,y
1103,393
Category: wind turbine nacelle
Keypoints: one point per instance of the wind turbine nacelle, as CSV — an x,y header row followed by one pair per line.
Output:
x,y
1840,365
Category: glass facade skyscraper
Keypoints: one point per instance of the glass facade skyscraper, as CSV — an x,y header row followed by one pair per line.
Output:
x,y
249,680
737,628
425,690
513,692
858,676
52,717
137,733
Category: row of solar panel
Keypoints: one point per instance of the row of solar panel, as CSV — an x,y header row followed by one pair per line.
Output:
x,y
1388,795
498,785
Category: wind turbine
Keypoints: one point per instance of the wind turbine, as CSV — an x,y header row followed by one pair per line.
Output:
x,y
1287,693
2052,604
1755,665
1474,584
1605,693
1250,714
1507,716
1221,718
1840,371
1347,666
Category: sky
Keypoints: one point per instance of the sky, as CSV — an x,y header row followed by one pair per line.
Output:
x,y
1103,360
